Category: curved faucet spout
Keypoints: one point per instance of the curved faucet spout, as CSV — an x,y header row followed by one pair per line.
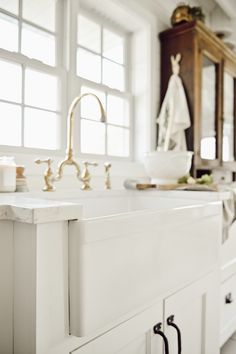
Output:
x,y
69,159
70,120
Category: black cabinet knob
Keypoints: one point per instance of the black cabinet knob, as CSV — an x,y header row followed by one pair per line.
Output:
x,y
228,298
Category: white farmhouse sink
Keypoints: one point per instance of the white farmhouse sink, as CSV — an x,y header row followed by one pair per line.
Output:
x,y
128,250
107,206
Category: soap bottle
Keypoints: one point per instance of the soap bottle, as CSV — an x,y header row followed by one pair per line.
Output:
x,y
7,174
21,182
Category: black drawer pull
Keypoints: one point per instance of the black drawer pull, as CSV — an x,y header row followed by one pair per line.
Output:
x,y
170,322
157,330
229,299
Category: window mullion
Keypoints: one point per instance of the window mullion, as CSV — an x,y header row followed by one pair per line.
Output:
x,y
127,65
101,54
20,25
23,107
106,130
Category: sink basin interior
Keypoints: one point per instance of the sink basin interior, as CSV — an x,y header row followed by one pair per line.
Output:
x,y
105,206
107,203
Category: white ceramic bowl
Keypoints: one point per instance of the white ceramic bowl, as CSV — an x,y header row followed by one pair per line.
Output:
x,y
164,167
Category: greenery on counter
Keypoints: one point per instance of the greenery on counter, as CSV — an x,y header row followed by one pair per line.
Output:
x,y
204,179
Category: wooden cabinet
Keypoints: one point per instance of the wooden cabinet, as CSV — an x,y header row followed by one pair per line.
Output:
x,y
208,71
229,112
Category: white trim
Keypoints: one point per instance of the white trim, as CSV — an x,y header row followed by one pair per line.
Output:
x,y
23,107
96,86
20,25
31,63
145,71
84,10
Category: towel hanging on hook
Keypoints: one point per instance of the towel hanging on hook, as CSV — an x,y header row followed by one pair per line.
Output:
x,y
174,115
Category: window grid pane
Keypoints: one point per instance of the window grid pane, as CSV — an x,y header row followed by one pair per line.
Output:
x,y
40,129
115,131
117,141
88,65
117,111
113,46
10,5
34,121
42,13
107,70
89,34
38,45
10,124
105,67
35,43
41,90
92,137
11,81
10,26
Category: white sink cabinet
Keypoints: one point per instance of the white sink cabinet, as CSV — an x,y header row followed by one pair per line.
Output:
x,y
121,263
135,336
194,311
128,264
227,263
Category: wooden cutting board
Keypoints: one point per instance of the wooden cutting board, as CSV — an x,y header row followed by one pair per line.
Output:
x,y
178,186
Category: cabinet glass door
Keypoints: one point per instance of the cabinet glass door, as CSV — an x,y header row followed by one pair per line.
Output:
x,y
208,110
228,121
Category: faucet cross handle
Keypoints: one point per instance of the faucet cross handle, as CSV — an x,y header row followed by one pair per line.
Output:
x,y
107,166
48,174
86,176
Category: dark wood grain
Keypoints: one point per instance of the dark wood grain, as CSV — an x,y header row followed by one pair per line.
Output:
x,y
193,41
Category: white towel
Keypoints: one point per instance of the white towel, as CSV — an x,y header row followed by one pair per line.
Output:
x,y
174,117
229,210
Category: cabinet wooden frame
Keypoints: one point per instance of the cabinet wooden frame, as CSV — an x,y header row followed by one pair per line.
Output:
x,y
194,40
230,68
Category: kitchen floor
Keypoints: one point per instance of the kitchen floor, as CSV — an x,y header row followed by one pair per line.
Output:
x,y
230,346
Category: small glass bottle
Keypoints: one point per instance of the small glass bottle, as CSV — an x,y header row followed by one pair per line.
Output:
x,y
7,174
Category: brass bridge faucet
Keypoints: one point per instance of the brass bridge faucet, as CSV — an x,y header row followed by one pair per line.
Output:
x,y
107,166
48,175
69,158
86,176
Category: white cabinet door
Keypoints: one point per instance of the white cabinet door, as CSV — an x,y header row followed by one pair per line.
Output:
x,y
228,309
195,311
135,336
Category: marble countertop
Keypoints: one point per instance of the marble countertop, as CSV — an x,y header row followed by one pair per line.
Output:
x,y
197,195
40,207
33,210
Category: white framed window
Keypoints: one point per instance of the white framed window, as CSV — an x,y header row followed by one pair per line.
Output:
x,y
45,38
102,64
30,85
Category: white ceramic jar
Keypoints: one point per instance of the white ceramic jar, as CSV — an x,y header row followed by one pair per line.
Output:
x,y
7,174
